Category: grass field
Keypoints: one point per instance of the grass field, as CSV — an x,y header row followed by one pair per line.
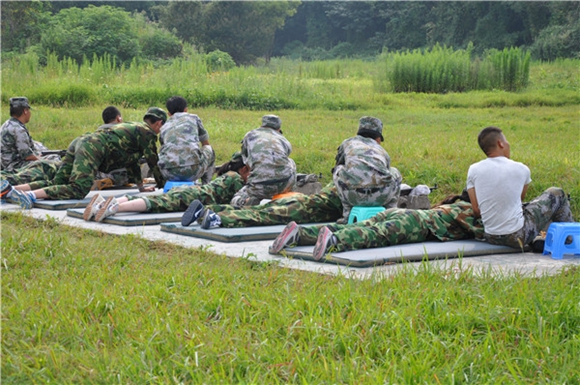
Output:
x,y
84,307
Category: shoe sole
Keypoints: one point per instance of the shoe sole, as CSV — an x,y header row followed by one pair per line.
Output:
x,y
88,214
282,240
192,213
101,213
320,247
21,199
206,222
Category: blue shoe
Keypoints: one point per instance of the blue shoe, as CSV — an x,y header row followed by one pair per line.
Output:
x,y
210,220
192,214
5,188
22,199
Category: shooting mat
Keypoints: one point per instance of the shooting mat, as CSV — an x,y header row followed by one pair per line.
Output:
x,y
132,219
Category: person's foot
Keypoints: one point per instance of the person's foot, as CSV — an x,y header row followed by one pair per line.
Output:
x,y
193,213
22,199
93,207
109,208
326,240
101,184
210,220
5,188
287,237
538,244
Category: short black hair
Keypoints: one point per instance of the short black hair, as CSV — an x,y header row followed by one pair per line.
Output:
x,y
17,111
176,104
110,114
370,134
488,137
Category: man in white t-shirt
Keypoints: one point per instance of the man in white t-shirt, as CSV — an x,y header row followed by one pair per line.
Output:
x,y
497,187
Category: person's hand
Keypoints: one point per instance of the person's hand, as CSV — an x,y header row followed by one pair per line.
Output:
x,y
146,188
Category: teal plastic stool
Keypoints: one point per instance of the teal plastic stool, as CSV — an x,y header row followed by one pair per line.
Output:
x,y
555,242
174,183
360,213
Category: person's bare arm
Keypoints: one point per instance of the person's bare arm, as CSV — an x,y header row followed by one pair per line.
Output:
x,y
474,203
524,192
205,142
32,157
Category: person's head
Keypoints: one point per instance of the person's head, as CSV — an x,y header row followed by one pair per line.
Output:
x,y
176,104
493,142
272,121
235,164
370,127
464,196
20,109
156,118
112,114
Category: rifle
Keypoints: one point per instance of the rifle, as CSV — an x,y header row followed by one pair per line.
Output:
x,y
60,153
407,191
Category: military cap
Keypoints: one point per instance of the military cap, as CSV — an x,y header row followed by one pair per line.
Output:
x,y
19,101
271,121
368,124
237,157
156,112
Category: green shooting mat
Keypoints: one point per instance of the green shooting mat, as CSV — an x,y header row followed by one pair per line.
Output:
x,y
64,204
412,252
132,219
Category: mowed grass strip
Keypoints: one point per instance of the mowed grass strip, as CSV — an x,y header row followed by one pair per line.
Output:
x,y
84,307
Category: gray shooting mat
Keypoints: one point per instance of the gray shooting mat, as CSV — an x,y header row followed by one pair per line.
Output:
x,y
132,219
237,234
412,252
65,204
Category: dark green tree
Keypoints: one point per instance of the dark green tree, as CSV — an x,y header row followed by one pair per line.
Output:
x,y
22,23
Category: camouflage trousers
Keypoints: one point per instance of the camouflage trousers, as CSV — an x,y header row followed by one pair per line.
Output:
x,y
551,206
220,190
38,170
253,193
386,196
400,226
118,176
78,170
192,172
322,207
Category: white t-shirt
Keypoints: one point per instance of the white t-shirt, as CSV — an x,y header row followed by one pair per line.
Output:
x,y
498,184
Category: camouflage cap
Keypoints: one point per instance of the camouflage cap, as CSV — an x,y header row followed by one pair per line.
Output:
x,y
156,112
19,101
369,124
271,121
237,157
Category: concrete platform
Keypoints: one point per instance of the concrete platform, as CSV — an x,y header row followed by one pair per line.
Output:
x,y
530,264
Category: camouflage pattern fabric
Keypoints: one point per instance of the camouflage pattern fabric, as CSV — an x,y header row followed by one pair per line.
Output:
x,y
17,145
182,157
219,190
322,207
551,206
38,170
399,226
266,152
363,175
103,151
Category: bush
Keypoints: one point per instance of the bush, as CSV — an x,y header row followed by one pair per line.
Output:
x,y
219,61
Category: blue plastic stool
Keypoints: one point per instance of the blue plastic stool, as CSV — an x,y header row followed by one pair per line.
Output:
x,y
361,213
174,183
555,242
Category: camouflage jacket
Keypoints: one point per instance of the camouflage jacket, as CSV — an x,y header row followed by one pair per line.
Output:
x,y
267,152
365,163
180,139
17,145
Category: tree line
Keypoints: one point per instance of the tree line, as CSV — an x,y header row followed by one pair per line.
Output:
x,y
251,31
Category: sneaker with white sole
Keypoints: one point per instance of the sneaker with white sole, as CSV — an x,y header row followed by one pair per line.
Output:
x,y
93,207
5,188
193,213
289,236
24,199
109,208
210,220
326,240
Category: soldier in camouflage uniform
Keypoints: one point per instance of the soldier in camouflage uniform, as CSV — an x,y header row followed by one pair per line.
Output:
x,y
231,178
267,153
497,185
18,148
185,153
363,174
394,226
123,144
